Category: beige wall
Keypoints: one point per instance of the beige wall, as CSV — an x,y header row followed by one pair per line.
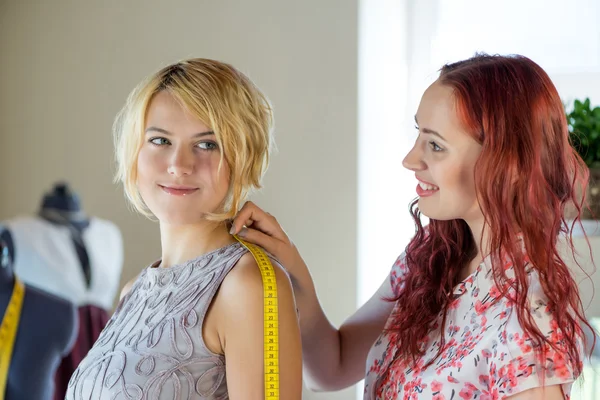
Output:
x,y
68,65
586,274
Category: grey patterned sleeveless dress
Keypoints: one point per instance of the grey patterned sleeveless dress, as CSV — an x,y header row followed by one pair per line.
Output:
x,y
152,347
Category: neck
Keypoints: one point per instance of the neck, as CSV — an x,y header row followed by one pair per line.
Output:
x,y
61,198
62,206
181,243
64,210
481,239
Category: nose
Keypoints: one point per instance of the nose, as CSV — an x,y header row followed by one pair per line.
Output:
x,y
414,159
182,162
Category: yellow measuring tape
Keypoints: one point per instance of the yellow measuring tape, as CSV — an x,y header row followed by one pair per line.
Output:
x,y
271,320
8,332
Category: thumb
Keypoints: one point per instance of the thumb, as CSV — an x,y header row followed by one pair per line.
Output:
x,y
254,236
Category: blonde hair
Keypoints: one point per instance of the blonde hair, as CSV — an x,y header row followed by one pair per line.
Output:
x,y
221,97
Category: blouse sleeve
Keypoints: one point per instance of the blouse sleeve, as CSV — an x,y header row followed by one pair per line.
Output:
x,y
398,273
519,367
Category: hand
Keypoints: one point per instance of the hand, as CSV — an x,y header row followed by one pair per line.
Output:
x,y
259,227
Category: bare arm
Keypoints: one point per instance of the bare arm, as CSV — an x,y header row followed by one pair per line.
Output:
x,y
336,358
333,359
553,392
240,329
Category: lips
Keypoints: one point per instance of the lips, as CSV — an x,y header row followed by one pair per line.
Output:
x,y
177,190
425,189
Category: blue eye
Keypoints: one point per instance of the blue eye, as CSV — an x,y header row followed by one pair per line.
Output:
x,y
434,146
159,141
208,146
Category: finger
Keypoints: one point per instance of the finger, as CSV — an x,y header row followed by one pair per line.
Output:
x,y
234,229
248,222
260,220
265,241
268,225
242,218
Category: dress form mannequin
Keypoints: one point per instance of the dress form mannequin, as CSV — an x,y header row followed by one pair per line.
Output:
x,y
79,258
45,334
62,207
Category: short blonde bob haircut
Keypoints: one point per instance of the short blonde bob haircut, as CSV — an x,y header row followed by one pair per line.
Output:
x,y
222,98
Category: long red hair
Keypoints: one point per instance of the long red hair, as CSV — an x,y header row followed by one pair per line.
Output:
x,y
526,175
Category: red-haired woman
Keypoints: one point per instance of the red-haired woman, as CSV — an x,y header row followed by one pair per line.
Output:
x,y
480,305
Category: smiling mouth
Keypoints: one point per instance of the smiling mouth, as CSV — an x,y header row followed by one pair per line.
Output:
x,y
426,189
426,186
178,190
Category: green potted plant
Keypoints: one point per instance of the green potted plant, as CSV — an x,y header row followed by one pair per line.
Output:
x,y
584,129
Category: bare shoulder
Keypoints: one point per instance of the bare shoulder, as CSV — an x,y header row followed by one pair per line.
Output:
x,y
127,287
244,281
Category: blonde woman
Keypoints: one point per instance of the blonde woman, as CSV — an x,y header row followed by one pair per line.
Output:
x,y
191,142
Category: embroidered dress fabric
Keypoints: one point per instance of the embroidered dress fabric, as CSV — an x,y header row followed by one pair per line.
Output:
x,y
152,347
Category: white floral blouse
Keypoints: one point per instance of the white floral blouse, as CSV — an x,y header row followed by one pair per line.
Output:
x,y
486,356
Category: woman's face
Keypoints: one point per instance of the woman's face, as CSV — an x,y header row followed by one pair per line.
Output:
x,y
178,172
443,159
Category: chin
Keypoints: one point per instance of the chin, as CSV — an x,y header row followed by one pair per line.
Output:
x,y
424,209
430,213
182,220
178,217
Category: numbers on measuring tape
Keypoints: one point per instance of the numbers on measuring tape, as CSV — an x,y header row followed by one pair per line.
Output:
x,y
270,320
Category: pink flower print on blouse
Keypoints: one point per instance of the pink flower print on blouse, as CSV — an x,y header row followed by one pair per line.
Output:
x,y
486,354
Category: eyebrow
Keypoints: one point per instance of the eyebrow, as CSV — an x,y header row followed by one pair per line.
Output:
x,y
166,132
430,131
